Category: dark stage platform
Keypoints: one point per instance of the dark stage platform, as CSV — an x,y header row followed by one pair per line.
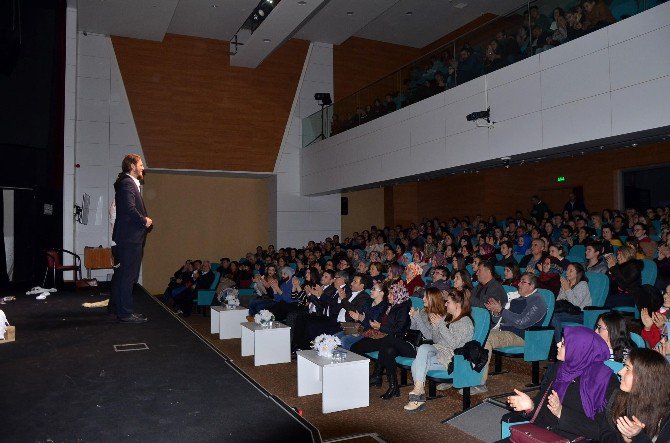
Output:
x,y
63,380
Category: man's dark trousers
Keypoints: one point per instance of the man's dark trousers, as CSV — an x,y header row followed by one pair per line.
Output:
x,y
125,276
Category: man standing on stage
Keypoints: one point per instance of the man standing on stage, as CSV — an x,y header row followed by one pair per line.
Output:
x,y
129,232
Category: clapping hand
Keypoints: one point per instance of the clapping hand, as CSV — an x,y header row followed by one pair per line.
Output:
x,y
647,321
554,404
629,428
493,306
565,284
317,291
520,402
435,319
342,293
375,324
659,320
354,315
611,261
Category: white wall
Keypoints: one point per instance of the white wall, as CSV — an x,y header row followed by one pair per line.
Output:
x,y
99,132
611,82
293,218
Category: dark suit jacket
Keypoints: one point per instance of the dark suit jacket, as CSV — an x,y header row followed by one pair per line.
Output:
x,y
328,299
130,224
357,304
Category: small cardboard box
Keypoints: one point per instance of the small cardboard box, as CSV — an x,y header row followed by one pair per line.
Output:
x,y
10,335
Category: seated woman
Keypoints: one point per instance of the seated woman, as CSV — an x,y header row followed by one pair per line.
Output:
x,y
626,279
413,273
611,327
449,332
458,262
640,410
393,274
655,322
372,311
574,393
462,281
550,277
609,240
557,251
573,296
394,321
264,288
512,275
392,347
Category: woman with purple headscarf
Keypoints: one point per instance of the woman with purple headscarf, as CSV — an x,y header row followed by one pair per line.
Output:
x,y
579,388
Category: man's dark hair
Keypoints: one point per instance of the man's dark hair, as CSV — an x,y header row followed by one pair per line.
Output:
x,y
490,266
329,272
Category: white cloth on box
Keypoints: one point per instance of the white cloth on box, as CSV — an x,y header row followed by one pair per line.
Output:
x,y
3,324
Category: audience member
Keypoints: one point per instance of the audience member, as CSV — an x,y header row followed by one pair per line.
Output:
x,y
528,310
640,410
449,332
573,297
574,393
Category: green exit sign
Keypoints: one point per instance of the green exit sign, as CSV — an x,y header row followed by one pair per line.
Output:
x,y
560,179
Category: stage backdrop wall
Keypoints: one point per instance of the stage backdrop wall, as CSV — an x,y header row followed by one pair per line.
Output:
x,y
366,208
501,191
205,217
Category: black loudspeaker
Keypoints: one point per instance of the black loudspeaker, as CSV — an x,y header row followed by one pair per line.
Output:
x,y
345,205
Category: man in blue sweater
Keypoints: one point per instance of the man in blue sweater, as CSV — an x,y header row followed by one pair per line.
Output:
x,y
528,310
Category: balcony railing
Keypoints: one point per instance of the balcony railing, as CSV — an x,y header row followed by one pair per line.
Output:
x,y
536,27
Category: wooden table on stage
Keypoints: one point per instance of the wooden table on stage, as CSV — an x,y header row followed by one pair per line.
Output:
x,y
97,258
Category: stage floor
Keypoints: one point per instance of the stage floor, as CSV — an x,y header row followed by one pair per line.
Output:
x,y
63,380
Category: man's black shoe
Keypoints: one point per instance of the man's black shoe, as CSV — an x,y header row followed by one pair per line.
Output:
x,y
134,318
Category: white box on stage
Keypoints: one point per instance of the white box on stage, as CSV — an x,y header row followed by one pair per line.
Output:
x,y
268,344
226,322
344,384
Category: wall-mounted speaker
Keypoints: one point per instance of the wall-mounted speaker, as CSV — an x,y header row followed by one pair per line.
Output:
x,y
345,206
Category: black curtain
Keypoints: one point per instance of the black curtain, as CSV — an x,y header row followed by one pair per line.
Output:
x,y
4,277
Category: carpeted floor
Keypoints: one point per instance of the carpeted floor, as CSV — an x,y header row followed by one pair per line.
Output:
x,y
384,417
63,381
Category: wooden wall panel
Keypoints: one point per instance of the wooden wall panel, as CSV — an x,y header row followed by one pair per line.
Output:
x,y
185,227
366,208
195,111
501,191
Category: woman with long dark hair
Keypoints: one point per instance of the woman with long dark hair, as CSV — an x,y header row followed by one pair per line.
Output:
x,y
611,327
392,347
573,296
450,332
640,410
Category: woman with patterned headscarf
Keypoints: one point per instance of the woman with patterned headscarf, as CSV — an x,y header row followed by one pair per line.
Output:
x,y
413,273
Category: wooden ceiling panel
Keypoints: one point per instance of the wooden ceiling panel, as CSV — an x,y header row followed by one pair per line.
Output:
x,y
193,110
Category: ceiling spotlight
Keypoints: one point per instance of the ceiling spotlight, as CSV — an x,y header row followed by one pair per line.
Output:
x,y
266,40
261,13
408,13
215,6
350,12
301,2
634,145
270,1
